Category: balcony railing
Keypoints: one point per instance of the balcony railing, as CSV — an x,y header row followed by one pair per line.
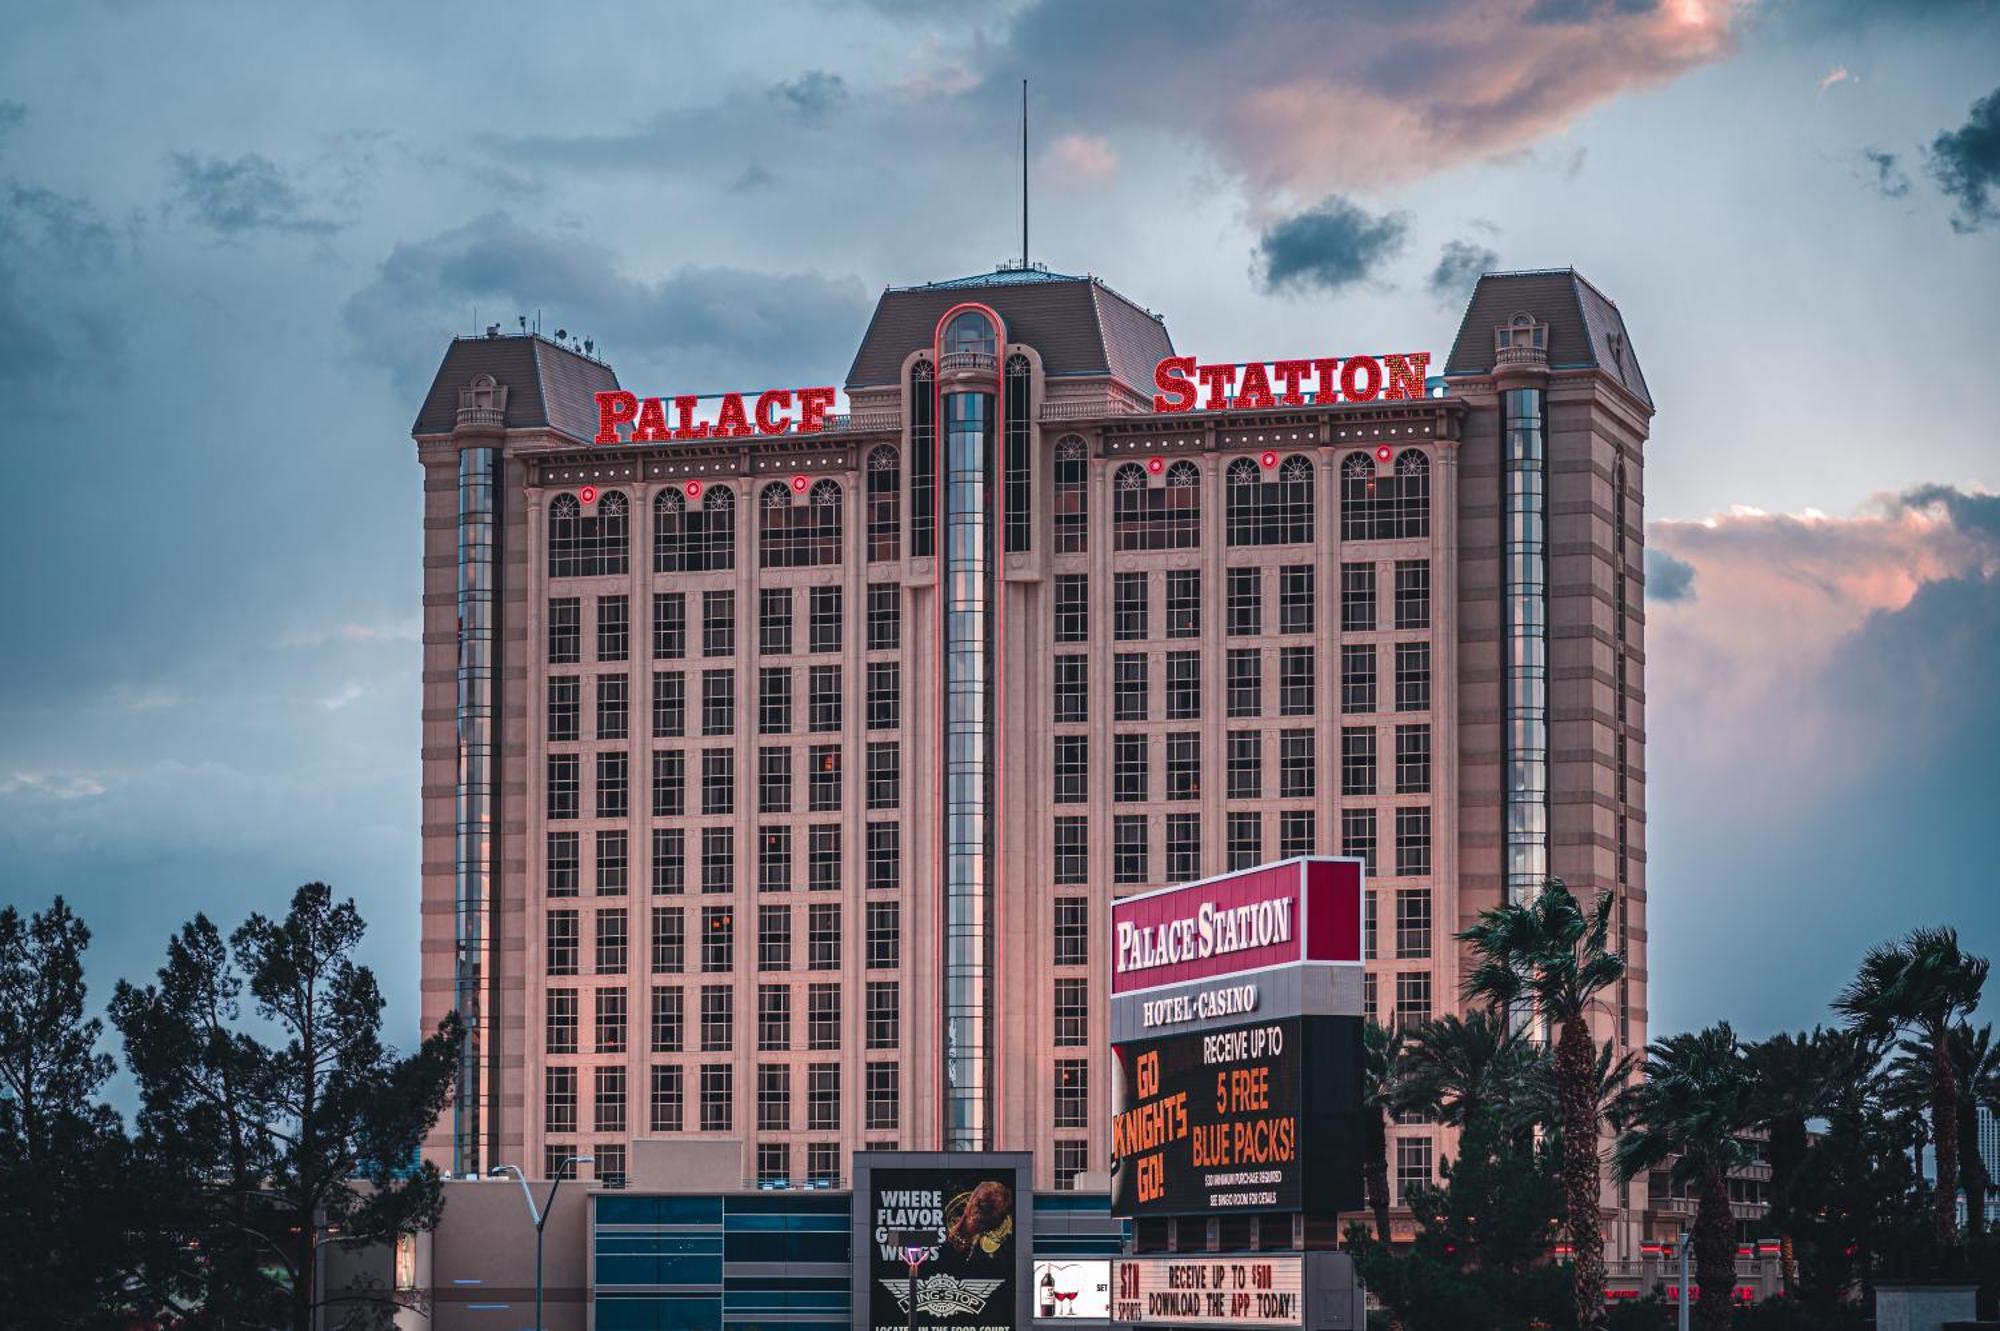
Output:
x,y
1077,409
1520,356
966,360
864,422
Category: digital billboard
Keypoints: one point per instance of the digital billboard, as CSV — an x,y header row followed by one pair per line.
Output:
x,y
1211,1290
966,1216
1258,1117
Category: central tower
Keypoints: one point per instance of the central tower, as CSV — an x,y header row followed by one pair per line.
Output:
x,y
968,339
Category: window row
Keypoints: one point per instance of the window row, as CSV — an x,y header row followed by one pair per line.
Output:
x,y
1133,759
611,790
715,940
1181,688
667,1019
1133,844
775,620
1244,597
882,859
666,1107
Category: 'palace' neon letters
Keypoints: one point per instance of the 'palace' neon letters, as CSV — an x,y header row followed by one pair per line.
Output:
x,y
648,416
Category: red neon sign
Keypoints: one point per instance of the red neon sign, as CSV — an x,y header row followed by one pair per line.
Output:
x,y
1393,378
770,414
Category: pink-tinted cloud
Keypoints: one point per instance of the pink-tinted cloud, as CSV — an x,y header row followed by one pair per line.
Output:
x,y
1082,159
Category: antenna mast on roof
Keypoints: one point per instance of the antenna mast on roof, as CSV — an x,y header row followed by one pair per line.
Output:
x,y
1024,175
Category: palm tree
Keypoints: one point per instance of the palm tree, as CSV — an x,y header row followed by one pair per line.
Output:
x,y
1458,1070
1381,1048
1792,1073
1923,985
1977,1064
1552,955
1695,1101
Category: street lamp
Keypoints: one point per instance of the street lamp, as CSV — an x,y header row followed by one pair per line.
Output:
x,y
539,1214
915,1244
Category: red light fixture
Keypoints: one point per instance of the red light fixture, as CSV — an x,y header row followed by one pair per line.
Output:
x,y
692,489
1155,465
1383,452
1267,459
799,484
588,494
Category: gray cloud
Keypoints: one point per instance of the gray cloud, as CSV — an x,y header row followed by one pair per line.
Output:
x,y
704,328
1965,162
1329,246
12,116
55,253
1669,580
251,193
812,96
754,177
1458,268
1888,180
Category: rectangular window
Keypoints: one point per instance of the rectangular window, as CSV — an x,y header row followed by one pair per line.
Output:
x,y
610,1030
718,1018
613,863
1183,603
718,702
718,781
1072,1013
774,859
1072,1158
718,859
1357,678
885,935
1298,833
1413,1166
1129,851
1413,924
718,623
885,617
1072,1088
1369,1010
1295,598
823,936
1297,686
774,700
669,1099
885,774
774,621
565,784
1183,847
824,630
885,1005
1183,686
1357,598
718,1096
669,704
613,784
611,942
669,783
1246,840
670,626
1245,681
669,860
718,939
1072,769
564,869
669,940
1072,689
1357,835
885,856
1413,593
1129,607
774,780
1072,847
1413,676
1244,765
885,695
559,1100
884,1099
1357,761
1245,605
565,630
774,938
1413,760
823,857
1072,607
559,1035
614,628
1072,931
565,708
1369,919
823,778
774,1018
823,695
774,1113
1129,776
1129,686
1413,841
1184,765
1413,998
822,1016
565,944
1298,765
669,1020
613,706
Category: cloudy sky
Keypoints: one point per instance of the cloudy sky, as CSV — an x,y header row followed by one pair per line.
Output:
x,y
235,238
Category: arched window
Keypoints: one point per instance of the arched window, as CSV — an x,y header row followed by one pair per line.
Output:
x,y
885,503
1273,512
1410,515
1072,496
1358,504
1395,509
802,534
970,331
694,540
589,544
1144,517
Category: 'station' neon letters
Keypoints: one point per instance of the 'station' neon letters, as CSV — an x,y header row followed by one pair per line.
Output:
x,y
1356,379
